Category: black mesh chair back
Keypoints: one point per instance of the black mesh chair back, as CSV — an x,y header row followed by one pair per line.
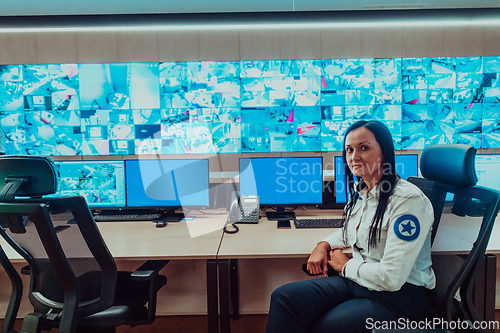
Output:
x,y
449,172
74,279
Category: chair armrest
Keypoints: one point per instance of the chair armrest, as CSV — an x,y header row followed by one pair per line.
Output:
x,y
26,270
148,270
148,273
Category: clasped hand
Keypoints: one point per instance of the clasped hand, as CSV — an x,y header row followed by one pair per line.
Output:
x,y
323,255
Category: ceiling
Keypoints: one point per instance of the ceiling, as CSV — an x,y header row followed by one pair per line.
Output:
x,y
106,7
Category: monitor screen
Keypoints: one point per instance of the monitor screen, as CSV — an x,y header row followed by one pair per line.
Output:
x,y
282,181
101,183
487,167
161,183
406,166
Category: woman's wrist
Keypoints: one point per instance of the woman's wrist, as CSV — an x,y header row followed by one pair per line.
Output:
x,y
325,245
342,270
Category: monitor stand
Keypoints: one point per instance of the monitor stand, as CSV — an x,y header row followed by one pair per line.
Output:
x,y
280,214
169,215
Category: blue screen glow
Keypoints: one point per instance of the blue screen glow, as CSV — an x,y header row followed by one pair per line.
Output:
x,y
167,183
282,180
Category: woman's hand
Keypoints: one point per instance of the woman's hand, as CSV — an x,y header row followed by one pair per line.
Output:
x,y
337,260
318,260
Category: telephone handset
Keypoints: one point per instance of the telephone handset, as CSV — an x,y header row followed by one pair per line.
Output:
x,y
244,209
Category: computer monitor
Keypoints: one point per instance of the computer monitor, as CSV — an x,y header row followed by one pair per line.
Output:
x,y
487,167
282,181
101,183
167,184
406,166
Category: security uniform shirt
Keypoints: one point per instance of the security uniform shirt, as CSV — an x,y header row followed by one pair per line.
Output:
x,y
403,253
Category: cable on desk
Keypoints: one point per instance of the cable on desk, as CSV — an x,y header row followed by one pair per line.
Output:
x,y
236,229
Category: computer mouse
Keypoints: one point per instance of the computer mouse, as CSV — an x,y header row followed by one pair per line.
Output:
x,y
161,224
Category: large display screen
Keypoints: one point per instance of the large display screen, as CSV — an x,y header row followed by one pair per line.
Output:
x,y
246,106
406,166
101,183
158,183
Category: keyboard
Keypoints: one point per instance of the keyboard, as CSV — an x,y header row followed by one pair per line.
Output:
x,y
318,223
124,216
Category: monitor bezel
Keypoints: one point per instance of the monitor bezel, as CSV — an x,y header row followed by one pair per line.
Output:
x,y
168,208
97,207
281,213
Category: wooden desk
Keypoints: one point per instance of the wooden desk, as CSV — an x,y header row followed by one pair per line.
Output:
x,y
265,240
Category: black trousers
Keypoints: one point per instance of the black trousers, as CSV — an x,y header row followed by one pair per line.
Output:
x,y
336,304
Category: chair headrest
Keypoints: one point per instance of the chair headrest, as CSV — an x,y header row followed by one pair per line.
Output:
x,y
452,164
27,176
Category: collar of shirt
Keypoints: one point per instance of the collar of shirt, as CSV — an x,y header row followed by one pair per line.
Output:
x,y
363,191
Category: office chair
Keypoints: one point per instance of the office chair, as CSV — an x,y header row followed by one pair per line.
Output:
x,y
74,283
451,169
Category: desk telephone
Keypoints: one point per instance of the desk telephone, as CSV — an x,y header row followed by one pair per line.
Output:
x,y
244,208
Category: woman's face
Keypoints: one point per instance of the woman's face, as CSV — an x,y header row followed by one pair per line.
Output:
x,y
364,156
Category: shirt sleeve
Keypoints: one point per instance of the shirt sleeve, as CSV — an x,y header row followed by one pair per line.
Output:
x,y
335,240
408,227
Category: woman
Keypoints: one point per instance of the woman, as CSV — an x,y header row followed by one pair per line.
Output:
x,y
387,223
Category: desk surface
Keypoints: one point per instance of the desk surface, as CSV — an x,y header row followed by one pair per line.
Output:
x,y
203,238
455,236
142,240
265,240
197,239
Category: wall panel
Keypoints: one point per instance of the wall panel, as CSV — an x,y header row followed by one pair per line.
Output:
x,y
491,41
422,42
219,45
259,44
381,42
97,47
178,46
463,41
300,44
341,43
57,47
137,46
18,48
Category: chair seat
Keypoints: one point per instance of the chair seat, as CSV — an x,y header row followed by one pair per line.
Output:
x,y
130,301
113,316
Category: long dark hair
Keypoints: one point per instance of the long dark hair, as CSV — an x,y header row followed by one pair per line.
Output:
x,y
386,183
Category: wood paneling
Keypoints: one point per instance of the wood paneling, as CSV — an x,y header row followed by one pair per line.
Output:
x,y
381,42
219,45
259,44
463,41
341,43
300,44
56,48
99,47
491,41
137,46
18,48
422,42
178,46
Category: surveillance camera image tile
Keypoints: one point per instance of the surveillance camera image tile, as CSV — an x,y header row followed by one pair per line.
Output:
x,y
206,107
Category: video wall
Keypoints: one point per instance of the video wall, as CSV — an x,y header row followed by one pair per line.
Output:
x,y
245,106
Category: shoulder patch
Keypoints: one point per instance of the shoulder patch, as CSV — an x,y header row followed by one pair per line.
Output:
x,y
407,227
